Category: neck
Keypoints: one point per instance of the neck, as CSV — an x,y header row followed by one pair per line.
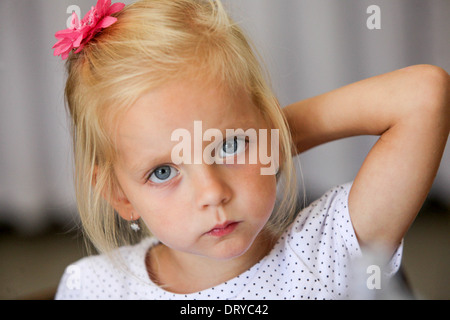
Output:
x,y
180,272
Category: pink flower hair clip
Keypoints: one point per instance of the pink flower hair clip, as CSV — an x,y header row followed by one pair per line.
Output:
x,y
81,32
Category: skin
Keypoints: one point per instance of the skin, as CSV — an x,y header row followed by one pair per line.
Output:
x,y
410,110
181,210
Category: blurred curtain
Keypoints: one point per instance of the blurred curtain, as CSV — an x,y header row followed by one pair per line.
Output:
x,y
309,47
314,46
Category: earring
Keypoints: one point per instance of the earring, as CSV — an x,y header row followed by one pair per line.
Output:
x,y
134,225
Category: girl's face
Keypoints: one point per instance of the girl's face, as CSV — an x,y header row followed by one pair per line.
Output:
x,y
212,210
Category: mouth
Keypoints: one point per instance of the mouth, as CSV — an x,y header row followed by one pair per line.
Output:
x,y
223,229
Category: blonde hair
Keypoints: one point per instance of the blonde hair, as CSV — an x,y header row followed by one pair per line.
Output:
x,y
154,42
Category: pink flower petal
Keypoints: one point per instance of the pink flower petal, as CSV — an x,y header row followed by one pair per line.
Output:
x,y
75,21
57,43
64,33
80,48
106,22
81,32
100,8
58,52
116,7
103,3
63,47
87,16
77,42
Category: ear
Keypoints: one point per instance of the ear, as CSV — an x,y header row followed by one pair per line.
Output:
x,y
123,206
113,193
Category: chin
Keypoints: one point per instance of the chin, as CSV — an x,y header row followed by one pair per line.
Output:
x,y
230,249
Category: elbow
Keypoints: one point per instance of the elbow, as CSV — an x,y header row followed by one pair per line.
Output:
x,y
431,91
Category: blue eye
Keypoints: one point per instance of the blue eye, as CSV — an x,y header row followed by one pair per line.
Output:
x,y
163,174
232,146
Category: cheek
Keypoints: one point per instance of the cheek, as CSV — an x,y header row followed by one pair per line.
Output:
x,y
156,215
164,213
259,191
162,224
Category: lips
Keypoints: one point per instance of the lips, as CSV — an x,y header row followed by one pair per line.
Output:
x,y
223,229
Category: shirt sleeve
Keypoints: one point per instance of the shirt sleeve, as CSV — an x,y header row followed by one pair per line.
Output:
x,y
120,274
69,287
90,278
324,238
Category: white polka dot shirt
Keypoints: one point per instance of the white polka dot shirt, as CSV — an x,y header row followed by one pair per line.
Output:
x,y
313,259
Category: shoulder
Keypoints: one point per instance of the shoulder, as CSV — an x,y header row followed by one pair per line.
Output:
x,y
326,222
330,209
323,237
106,275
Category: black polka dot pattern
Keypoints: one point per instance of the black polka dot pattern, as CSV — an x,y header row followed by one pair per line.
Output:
x,y
311,260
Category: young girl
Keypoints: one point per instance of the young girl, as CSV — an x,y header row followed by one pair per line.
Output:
x,y
221,229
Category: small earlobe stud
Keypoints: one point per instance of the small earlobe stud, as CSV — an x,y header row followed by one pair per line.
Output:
x,y
134,225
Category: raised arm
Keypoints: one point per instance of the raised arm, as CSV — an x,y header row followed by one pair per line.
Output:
x,y
410,110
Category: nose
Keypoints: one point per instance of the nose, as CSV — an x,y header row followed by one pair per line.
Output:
x,y
210,186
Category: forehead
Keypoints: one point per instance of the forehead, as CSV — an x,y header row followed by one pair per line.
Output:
x,y
147,125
